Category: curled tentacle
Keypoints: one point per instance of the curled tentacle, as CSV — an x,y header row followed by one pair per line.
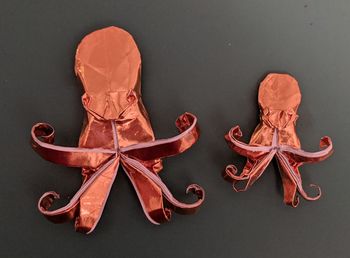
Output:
x,y
242,148
42,137
250,176
296,178
66,212
230,174
177,205
196,189
305,195
60,215
298,155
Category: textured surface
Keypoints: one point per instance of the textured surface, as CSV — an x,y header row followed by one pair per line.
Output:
x,y
206,57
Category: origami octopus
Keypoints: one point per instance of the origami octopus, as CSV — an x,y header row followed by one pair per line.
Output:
x,y
116,131
275,136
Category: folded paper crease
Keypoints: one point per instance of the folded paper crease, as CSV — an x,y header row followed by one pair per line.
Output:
x,y
275,137
116,132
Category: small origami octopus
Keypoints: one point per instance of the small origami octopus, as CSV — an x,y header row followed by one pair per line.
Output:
x,y
116,130
275,136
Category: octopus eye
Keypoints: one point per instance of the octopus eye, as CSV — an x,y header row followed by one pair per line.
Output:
x,y
290,111
266,111
131,96
86,99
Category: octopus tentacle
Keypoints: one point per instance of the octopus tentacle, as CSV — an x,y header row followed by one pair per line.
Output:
x,y
68,211
296,178
252,175
178,206
230,174
310,157
42,141
92,204
58,216
295,201
149,195
289,188
42,137
242,148
189,134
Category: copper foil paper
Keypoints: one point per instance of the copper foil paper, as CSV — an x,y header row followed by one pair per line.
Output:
x,y
116,131
275,136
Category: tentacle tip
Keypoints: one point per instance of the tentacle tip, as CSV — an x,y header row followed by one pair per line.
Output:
x,y
46,200
230,171
50,195
44,131
295,202
168,214
230,174
160,216
325,142
197,190
232,168
319,194
184,121
89,231
238,190
234,188
85,225
154,222
236,131
55,195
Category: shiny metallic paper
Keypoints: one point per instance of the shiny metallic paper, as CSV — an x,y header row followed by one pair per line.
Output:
x,y
116,131
275,136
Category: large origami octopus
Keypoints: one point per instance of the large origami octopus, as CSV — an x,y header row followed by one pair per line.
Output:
x,y
116,130
275,136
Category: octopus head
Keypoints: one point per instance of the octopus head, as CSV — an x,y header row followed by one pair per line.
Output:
x,y
279,98
108,64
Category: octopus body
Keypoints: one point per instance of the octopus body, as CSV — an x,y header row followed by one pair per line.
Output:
x,y
116,131
279,98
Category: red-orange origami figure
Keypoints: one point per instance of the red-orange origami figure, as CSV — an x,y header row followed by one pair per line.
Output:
x,y
275,136
116,130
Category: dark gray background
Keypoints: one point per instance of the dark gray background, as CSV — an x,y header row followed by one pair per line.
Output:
x,y
206,57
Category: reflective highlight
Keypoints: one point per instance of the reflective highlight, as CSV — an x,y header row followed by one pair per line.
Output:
x,y
275,136
116,131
